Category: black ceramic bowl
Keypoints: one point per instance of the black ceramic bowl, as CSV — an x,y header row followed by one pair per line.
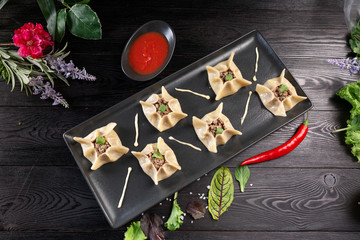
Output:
x,y
152,26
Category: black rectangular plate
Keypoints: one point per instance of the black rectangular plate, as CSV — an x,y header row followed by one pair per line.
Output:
x,y
107,182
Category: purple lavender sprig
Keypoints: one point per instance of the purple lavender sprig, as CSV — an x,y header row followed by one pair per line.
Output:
x,y
39,87
68,70
351,64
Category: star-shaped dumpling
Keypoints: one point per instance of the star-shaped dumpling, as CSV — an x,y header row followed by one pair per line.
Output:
x,y
157,160
225,78
162,110
214,129
278,95
102,146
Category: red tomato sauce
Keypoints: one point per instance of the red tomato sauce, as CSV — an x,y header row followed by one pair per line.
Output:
x,y
148,53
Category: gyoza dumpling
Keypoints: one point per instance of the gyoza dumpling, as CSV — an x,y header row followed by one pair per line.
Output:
x,y
225,78
157,160
162,110
278,95
102,145
214,129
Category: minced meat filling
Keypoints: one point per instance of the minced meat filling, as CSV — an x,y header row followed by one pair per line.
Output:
x,y
164,111
157,162
281,95
224,73
100,149
214,125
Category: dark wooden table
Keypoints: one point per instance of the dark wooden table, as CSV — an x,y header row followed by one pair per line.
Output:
x,y
312,193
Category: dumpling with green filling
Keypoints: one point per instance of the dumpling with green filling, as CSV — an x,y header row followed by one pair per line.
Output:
x,y
278,95
225,78
214,129
157,160
102,146
163,111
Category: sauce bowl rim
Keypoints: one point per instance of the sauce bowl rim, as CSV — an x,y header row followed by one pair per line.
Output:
x,y
125,66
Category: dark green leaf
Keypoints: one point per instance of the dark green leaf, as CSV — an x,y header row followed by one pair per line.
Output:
x,y
354,40
221,192
60,25
2,3
283,88
162,108
76,1
83,22
100,140
242,174
134,232
49,11
219,130
174,222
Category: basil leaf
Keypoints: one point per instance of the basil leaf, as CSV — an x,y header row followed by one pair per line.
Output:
x,y
134,232
174,222
228,77
100,140
162,108
60,24
242,174
283,88
2,3
219,130
157,155
83,22
221,192
48,9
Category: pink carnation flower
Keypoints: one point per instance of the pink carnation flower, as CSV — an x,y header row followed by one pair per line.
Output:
x,y
32,40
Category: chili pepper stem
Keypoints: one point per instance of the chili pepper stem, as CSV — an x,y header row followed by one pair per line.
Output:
x,y
306,123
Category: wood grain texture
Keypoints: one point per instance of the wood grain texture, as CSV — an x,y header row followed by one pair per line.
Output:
x,y
183,235
41,131
311,193
275,199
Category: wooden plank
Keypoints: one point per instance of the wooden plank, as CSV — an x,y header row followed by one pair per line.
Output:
x,y
301,43
116,235
275,199
41,133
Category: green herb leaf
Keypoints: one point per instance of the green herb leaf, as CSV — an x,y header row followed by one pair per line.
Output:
x,y
354,125
49,11
76,1
351,93
162,108
283,88
174,222
2,3
242,174
83,22
60,25
228,77
157,155
100,140
221,192
354,40
134,232
219,130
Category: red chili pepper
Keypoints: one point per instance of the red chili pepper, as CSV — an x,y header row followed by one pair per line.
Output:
x,y
283,149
